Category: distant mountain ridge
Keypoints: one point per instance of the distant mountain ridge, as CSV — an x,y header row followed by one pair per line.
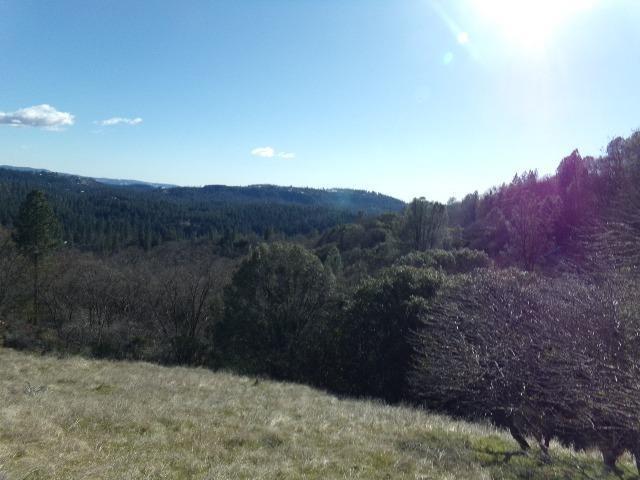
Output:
x,y
107,214
107,181
346,198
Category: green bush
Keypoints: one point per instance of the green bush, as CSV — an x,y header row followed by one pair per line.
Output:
x,y
376,326
275,307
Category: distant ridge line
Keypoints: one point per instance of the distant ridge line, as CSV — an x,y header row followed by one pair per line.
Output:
x,y
165,186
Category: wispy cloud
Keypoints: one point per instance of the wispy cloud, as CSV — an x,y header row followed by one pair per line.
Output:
x,y
270,152
266,152
43,116
119,121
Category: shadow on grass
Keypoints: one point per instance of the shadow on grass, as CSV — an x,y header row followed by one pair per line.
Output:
x,y
504,461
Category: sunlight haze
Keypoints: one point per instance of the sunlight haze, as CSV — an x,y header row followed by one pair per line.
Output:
x,y
408,98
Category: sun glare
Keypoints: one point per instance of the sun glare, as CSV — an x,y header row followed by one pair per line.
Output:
x,y
529,23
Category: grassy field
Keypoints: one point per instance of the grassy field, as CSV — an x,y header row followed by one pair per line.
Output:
x,y
83,419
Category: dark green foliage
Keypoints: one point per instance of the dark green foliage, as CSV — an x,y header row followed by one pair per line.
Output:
x,y
362,235
105,217
275,309
333,261
343,199
464,212
491,234
365,247
425,224
37,229
376,327
449,261
37,233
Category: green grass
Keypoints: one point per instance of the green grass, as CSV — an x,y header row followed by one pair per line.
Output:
x,y
84,419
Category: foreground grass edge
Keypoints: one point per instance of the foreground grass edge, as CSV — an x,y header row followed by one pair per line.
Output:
x,y
65,418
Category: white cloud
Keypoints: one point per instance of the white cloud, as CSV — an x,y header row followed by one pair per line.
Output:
x,y
266,152
119,120
270,152
44,116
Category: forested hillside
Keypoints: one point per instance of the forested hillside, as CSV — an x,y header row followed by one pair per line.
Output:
x,y
104,217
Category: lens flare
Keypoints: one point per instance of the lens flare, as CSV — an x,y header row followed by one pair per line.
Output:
x,y
463,38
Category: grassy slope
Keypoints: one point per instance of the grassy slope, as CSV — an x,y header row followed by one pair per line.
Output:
x,y
87,419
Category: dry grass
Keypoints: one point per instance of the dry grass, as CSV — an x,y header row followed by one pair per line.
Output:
x,y
83,419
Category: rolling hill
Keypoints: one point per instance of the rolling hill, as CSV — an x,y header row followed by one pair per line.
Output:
x,y
84,419
99,215
343,198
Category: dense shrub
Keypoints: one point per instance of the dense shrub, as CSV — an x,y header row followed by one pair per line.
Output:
x,y
547,357
376,326
274,308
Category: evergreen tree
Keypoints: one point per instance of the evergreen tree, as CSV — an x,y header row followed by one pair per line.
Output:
x,y
275,310
37,233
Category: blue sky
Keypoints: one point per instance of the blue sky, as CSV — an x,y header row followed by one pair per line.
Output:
x,y
411,98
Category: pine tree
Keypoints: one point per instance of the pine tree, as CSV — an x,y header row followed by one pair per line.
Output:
x,y
37,233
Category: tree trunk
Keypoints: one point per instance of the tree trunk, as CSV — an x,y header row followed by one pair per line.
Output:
x,y
36,284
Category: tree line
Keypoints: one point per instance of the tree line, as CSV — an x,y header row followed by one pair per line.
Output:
x,y
105,218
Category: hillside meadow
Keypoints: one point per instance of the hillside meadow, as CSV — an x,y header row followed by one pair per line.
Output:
x,y
74,418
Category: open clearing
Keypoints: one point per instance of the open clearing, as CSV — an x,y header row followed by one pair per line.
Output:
x,y
84,419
